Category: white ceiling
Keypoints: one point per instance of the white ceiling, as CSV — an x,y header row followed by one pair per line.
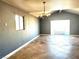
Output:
x,y
35,7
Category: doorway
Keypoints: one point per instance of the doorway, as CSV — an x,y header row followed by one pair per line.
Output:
x,y
60,27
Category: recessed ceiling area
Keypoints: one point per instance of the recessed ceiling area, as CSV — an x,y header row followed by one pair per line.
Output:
x,y
35,7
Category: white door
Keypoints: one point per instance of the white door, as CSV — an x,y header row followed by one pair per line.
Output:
x,y
60,27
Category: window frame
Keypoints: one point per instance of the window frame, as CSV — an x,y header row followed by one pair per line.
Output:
x,y
19,20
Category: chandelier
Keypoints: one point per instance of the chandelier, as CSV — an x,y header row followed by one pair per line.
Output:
x,y
44,8
44,11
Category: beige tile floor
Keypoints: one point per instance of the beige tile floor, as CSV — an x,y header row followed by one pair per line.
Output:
x,y
50,47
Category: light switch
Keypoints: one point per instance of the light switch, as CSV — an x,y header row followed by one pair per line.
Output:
x,y
5,24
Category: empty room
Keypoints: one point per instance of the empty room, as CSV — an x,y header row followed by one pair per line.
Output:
x,y
39,29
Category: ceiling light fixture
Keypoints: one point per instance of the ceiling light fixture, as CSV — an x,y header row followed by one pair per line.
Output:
x,y
44,16
44,8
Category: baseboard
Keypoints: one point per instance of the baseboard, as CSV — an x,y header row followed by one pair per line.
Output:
x,y
45,34
12,53
50,34
74,35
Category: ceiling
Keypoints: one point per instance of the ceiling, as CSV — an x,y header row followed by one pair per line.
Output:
x,y
35,7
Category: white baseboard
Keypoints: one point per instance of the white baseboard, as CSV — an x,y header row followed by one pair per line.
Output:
x,y
74,35
12,53
45,34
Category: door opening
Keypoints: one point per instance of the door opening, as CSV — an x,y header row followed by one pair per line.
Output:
x,y
60,27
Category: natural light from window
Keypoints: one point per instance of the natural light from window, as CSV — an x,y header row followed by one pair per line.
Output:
x,y
60,27
19,22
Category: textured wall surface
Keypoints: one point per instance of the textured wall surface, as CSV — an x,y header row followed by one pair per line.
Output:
x,y
10,39
64,15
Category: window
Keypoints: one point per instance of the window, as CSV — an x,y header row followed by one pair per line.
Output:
x,y
19,22
60,27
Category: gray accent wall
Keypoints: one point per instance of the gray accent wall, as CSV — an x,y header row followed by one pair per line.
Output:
x,y
60,15
10,38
